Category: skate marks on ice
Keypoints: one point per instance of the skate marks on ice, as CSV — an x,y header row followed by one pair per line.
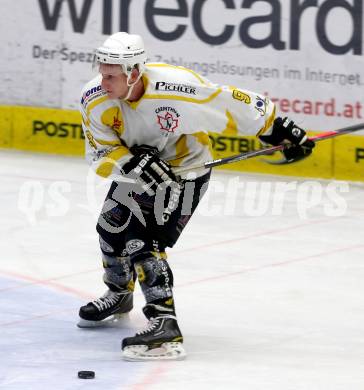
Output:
x,y
41,346
269,302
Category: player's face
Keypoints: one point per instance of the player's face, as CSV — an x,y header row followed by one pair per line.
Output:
x,y
114,81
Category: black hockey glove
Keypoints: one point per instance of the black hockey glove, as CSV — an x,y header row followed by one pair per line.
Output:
x,y
148,169
285,130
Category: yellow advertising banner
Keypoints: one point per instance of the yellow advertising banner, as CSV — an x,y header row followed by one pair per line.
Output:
x,y
59,132
6,123
348,155
319,164
42,130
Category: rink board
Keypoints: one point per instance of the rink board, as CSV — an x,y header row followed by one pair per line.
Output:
x,y
42,130
59,132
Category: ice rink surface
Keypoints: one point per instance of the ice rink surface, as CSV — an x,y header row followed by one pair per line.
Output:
x,y
269,284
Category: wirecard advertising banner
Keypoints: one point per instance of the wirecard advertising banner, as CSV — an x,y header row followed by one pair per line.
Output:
x,y
305,55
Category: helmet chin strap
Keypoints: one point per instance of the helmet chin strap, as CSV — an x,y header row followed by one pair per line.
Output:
x,y
131,86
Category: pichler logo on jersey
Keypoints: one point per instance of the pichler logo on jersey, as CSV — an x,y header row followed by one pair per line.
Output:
x,y
167,118
172,87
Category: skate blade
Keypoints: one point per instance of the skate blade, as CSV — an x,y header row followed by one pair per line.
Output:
x,y
112,321
168,351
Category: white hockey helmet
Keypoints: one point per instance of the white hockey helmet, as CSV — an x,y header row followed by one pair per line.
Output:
x,y
126,50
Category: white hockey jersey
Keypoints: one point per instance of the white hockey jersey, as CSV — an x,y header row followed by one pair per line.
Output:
x,y
175,114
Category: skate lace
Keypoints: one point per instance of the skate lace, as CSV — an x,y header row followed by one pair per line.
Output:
x,y
107,300
151,326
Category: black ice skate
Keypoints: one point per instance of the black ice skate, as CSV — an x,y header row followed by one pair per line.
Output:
x,y
111,307
161,340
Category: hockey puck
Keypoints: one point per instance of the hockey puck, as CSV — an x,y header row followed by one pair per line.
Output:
x,y
86,374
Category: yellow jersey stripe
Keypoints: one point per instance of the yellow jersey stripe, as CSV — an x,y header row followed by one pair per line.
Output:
x,y
231,125
198,77
202,137
135,104
185,99
268,123
108,143
95,103
108,162
182,151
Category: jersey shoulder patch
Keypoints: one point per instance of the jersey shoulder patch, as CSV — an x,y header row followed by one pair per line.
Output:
x,y
92,91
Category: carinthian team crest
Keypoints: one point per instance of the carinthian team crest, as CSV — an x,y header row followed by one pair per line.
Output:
x,y
167,118
167,122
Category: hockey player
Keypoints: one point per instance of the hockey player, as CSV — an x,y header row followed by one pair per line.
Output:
x,y
140,121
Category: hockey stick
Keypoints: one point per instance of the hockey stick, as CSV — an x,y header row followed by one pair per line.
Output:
x,y
266,151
